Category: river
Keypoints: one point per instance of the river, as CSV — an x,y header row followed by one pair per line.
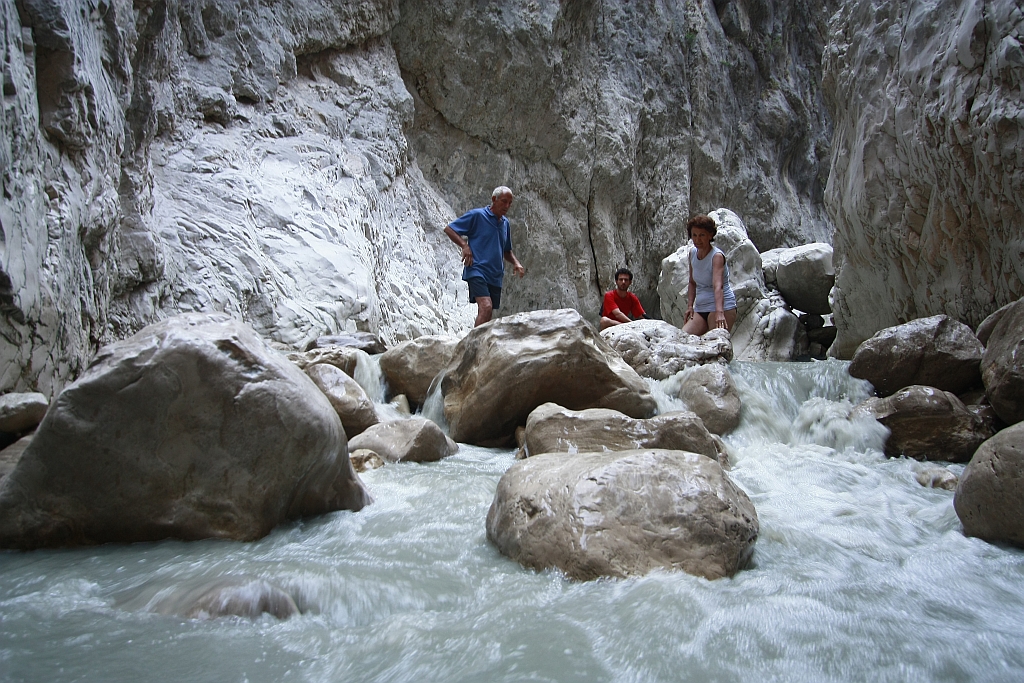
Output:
x,y
859,574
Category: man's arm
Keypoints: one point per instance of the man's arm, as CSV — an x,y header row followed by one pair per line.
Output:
x,y
517,267
463,244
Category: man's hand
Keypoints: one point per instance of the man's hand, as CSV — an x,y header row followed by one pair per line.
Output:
x,y
518,269
467,255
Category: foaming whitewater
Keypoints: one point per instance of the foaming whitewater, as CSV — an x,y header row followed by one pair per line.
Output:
x,y
369,376
859,574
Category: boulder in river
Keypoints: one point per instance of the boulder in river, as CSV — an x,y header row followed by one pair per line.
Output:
x,y
411,366
656,349
623,514
927,424
415,439
504,369
989,499
1002,365
192,428
554,429
346,396
710,392
804,275
364,341
937,352
21,412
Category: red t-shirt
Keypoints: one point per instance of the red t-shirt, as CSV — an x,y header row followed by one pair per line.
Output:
x,y
631,306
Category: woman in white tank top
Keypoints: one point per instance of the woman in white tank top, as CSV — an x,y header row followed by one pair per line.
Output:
x,y
711,303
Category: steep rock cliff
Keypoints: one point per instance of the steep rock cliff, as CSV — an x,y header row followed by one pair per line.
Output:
x,y
614,121
926,186
293,162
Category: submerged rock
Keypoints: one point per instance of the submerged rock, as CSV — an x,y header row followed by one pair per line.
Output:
x,y
193,428
623,514
927,424
501,371
236,596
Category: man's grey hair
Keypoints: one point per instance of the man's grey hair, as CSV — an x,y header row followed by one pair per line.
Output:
x,y
501,191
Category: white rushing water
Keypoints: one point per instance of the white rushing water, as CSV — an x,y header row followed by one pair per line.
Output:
x,y
859,574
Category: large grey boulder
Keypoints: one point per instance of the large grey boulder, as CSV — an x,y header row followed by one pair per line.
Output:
x,y
989,499
926,185
411,366
623,514
805,277
656,349
938,352
192,428
1002,365
501,371
346,396
927,424
415,439
554,429
711,393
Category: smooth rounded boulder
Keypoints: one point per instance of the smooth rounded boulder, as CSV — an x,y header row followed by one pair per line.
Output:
x,y
1002,365
554,429
805,276
411,366
21,412
415,439
656,349
937,352
623,514
927,424
989,499
193,428
346,396
504,369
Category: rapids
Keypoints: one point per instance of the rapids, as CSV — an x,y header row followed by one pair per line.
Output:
x,y
859,574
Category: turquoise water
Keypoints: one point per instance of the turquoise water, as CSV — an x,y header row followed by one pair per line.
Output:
x,y
859,574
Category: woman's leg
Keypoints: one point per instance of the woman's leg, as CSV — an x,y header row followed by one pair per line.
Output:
x,y
696,325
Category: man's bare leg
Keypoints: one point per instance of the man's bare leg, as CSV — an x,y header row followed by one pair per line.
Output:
x,y
484,309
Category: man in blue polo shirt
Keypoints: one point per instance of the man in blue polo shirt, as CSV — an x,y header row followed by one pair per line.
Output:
x,y
486,242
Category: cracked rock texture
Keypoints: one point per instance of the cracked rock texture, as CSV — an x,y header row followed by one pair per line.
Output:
x,y
926,186
292,162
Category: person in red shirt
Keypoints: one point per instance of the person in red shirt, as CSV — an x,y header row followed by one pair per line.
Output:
x,y
621,305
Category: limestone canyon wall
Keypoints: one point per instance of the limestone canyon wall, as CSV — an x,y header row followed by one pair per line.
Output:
x,y
292,162
926,187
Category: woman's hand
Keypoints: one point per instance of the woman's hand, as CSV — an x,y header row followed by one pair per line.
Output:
x,y
718,320
688,316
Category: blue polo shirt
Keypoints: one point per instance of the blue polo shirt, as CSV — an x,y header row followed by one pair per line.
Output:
x,y
489,237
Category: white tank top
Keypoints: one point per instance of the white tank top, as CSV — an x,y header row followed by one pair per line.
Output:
x,y
703,274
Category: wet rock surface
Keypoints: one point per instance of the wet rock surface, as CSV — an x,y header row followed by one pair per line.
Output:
x,y
191,429
346,396
415,439
411,366
989,499
554,429
1002,365
501,371
656,349
711,393
938,352
623,514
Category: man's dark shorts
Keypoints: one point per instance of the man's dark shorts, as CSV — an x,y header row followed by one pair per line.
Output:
x,y
479,287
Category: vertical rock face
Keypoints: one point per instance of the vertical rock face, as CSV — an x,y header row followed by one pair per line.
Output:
x,y
614,122
926,187
292,162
